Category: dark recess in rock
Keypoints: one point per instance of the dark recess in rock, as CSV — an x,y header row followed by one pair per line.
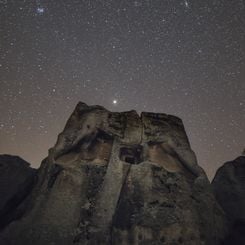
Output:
x,y
132,154
55,171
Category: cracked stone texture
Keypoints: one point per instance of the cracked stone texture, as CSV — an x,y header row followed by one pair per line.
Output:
x,y
119,178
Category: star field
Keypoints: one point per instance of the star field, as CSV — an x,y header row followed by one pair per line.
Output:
x,y
181,57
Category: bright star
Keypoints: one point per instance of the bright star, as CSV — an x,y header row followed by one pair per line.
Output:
x,y
114,102
186,4
40,10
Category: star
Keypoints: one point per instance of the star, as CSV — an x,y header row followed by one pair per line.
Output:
x,y
186,4
137,4
114,102
40,10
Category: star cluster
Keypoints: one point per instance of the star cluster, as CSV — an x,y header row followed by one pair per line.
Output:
x,y
180,57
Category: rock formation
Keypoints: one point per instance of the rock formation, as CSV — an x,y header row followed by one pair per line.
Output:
x,y
119,178
229,189
16,181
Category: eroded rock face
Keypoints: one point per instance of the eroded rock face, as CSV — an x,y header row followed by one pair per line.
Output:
x,y
17,179
229,189
120,178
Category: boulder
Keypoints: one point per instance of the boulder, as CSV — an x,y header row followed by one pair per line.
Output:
x,y
229,188
17,179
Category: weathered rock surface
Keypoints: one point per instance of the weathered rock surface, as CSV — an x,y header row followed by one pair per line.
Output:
x,y
17,179
229,189
120,178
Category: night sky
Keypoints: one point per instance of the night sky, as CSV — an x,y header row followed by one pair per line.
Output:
x,y
181,57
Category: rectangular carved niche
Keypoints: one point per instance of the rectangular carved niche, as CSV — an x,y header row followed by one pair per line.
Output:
x,y
131,154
